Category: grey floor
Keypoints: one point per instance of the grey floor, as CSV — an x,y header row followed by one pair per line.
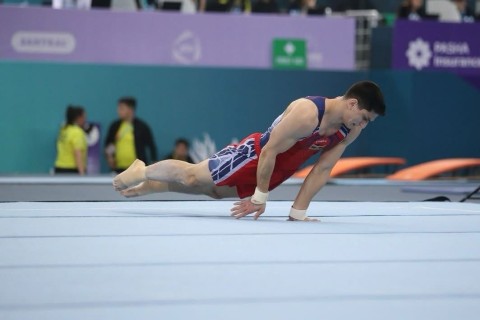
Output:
x,y
190,260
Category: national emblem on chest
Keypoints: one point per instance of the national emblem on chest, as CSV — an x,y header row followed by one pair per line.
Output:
x,y
320,143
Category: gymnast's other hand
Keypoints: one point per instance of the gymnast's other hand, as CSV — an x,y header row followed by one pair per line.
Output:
x,y
245,207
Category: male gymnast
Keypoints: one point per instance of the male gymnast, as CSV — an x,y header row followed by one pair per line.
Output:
x,y
262,161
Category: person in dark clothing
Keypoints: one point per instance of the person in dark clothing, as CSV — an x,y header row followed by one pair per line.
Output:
x,y
344,5
180,152
305,7
128,138
412,10
265,6
224,6
466,13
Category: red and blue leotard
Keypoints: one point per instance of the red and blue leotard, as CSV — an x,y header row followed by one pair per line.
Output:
x,y
236,165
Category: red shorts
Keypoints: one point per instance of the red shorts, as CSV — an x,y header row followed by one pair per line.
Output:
x,y
236,166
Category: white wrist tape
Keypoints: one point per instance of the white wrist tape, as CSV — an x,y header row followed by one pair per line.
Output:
x,y
259,197
298,214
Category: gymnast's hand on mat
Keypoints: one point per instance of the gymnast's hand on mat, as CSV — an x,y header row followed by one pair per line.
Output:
x,y
245,207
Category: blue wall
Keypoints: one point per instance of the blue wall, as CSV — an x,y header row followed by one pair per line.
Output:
x,y
430,115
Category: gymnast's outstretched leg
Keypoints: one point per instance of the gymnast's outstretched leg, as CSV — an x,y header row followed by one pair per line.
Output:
x,y
144,188
170,175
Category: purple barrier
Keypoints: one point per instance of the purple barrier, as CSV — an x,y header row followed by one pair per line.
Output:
x,y
170,38
437,46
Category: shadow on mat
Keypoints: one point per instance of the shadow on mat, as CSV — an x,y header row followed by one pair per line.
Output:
x,y
439,199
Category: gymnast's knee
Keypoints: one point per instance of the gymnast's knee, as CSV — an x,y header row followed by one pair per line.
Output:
x,y
190,178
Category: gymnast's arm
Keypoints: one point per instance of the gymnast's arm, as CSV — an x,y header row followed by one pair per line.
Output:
x,y
320,173
298,122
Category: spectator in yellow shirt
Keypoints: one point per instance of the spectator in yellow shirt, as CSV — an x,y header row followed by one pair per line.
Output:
x,y
128,138
72,143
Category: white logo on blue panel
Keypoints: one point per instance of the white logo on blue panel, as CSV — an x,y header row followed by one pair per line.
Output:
x,y
419,54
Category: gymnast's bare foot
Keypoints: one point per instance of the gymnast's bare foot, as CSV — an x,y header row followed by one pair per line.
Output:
x,y
144,188
130,177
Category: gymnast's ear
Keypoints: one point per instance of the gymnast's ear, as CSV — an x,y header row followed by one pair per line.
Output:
x,y
352,103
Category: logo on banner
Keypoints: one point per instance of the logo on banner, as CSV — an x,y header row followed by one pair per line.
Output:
x,y
187,48
441,54
289,53
419,54
43,42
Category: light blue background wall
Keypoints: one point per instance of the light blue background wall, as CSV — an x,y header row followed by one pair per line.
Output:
x,y
430,115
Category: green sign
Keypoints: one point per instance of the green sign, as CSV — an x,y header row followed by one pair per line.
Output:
x,y
289,54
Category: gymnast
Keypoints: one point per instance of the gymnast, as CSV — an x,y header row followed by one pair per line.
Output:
x,y
262,161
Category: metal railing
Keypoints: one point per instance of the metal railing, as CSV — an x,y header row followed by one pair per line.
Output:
x,y
366,20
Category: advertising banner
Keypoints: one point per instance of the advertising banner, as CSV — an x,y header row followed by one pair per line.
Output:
x,y
437,46
99,36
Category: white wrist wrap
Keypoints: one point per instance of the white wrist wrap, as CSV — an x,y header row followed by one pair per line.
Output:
x,y
298,214
259,197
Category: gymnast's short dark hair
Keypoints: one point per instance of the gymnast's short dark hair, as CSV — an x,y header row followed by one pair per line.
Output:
x,y
369,96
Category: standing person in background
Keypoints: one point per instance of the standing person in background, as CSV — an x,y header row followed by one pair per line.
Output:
x,y
180,152
235,6
265,6
466,14
72,143
128,138
412,10
305,7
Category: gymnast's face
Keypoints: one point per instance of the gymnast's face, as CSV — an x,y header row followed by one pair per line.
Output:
x,y
356,117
